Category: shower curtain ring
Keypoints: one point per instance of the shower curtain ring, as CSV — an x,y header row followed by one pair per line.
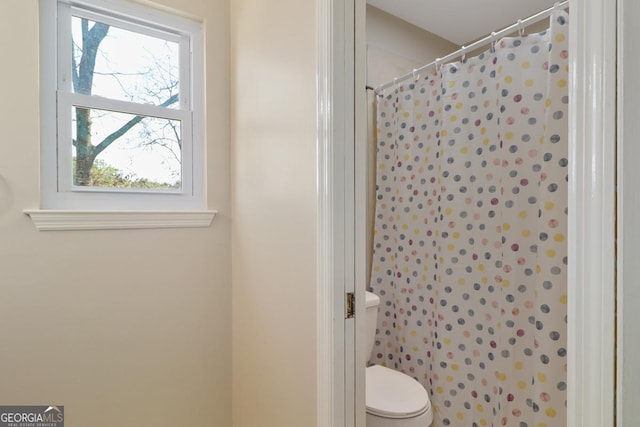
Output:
x,y
416,76
437,65
464,53
493,40
521,27
556,5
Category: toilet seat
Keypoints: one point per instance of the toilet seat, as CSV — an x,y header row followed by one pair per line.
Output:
x,y
392,394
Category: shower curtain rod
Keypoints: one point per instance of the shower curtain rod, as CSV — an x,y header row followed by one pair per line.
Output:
x,y
493,37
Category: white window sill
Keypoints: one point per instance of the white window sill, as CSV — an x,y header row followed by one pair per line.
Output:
x,y
61,220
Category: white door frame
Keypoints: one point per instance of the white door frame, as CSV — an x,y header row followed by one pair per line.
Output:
x,y
591,244
628,374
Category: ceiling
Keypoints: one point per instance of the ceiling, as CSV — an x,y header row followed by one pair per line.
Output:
x,y
462,21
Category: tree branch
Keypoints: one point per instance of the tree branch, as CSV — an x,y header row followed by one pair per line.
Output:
x,y
91,40
125,128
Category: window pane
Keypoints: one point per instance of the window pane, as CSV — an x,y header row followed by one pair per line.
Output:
x,y
118,150
119,64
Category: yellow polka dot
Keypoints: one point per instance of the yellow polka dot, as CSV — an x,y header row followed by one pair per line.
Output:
x,y
541,425
526,233
518,365
454,118
451,247
528,83
484,280
506,226
459,105
416,231
413,333
562,83
522,385
480,408
456,235
406,157
548,102
560,38
443,132
452,84
550,412
455,367
480,267
542,377
415,348
448,211
501,376
417,102
447,341
523,214
551,253
526,65
549,206
406,115
439,390
464,150
461,282
508,79
405,227
460,416
559,238
449,379
483,131
508,135
506,283
419,116
483,422
500,68
563,299
485,141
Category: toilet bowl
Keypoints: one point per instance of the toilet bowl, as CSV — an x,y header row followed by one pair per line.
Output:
x,y
393,399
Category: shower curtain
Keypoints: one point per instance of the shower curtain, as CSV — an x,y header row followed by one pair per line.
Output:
x,y
470,233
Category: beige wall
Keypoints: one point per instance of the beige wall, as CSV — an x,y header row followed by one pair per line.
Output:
x,y
395,47
126,328
274,207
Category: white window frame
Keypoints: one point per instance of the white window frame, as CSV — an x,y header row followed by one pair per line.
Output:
x,y
58,193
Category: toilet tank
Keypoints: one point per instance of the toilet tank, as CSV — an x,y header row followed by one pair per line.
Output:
x,y
372,302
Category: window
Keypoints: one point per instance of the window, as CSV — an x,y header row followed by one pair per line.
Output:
x,y
122,108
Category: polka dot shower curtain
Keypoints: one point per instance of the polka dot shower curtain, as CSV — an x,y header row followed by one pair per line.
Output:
x,y
470,248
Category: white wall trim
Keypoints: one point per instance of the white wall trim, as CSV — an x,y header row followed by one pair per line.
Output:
x,y
592,147
325,290
60,220
330,328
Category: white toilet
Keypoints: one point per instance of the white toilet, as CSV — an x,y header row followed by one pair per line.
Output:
x,y
393,399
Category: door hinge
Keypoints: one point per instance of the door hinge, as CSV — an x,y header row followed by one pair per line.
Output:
x,y
350,305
